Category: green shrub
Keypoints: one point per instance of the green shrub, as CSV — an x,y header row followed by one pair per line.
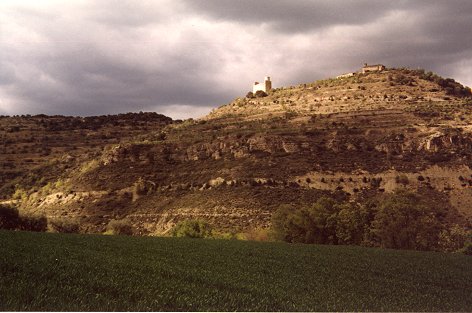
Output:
x,y
260,94
9,217
375,182
402,179
452,239
120,227
467,248
258,234
192,229
36,223
64,226
20,194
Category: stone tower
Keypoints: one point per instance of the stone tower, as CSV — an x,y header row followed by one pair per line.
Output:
x,y
265,87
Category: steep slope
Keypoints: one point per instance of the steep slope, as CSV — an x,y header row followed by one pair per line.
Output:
x,y
364,135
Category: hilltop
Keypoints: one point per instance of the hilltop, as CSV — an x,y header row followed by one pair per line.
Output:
x,y
391,89
360,136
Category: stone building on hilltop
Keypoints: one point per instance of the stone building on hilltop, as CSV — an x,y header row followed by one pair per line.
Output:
x,y
365,69
265,87
372,68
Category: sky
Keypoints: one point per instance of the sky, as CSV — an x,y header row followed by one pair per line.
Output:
x,y
183,58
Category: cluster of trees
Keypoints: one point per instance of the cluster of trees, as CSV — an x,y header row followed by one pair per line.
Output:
x,y
403,80
11,219
258,94
401,221
450,85
59,122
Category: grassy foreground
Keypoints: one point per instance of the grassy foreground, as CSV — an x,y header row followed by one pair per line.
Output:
x,y
40,271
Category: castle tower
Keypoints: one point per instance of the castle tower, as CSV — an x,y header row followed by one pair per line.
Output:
x,y
265,87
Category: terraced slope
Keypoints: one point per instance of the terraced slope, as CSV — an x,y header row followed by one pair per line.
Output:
x,y
33,149
365,135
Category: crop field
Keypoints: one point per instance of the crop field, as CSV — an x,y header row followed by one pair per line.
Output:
x,y
41,271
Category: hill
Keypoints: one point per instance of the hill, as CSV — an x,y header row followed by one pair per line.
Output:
x,y
57,272
361,136
424,94
33,147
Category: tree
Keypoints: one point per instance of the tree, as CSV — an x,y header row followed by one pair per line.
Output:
x,y
315,224
9,217
353,223
192,229
36,223
65,226
323,215
260,94
120,227
405,221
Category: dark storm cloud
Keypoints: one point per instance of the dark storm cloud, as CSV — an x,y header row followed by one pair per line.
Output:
x,y
437,35
294,16
86,82
67,72
183,57
433,34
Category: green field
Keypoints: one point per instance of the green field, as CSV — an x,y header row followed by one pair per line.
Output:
x,y
41,271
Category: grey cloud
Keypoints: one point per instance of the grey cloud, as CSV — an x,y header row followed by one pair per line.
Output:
x,y
7,74
118,56
93,84
123,14
290,16
78,77
436,37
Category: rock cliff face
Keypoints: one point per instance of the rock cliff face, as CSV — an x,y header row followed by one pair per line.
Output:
x,y
358,136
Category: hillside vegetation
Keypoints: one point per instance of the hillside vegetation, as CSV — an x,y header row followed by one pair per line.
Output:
x,y
357,138
56,272
37,149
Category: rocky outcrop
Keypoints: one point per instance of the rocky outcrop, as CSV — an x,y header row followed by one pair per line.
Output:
x,y
446,140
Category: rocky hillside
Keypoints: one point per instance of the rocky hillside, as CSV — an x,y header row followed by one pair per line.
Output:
x,y
355,137
33,149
